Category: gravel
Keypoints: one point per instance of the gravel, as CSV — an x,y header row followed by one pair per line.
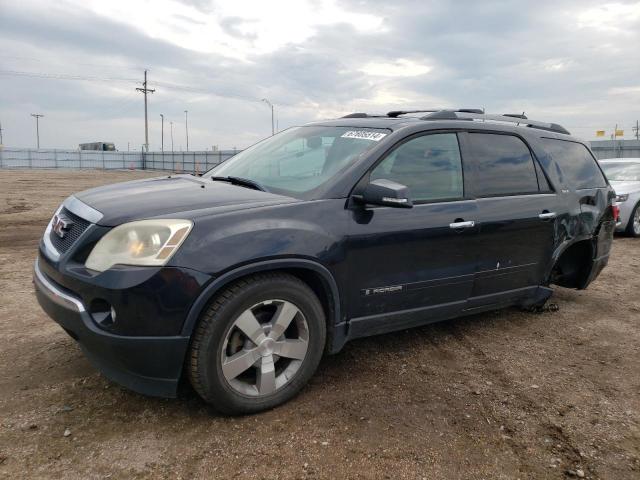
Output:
x,y
392,406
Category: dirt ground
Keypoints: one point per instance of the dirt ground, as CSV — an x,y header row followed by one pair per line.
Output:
x,y
503,395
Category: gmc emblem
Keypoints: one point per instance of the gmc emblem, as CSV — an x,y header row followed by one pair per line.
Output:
x,y
60,225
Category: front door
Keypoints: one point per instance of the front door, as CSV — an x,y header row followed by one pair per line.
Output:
x,y
412,266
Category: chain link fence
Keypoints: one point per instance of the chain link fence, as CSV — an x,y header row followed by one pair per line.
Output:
x,y
188,162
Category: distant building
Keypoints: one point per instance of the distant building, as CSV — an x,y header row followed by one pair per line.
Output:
x,y
616,148
100,146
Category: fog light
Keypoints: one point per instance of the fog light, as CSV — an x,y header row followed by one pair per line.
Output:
x,y
102,313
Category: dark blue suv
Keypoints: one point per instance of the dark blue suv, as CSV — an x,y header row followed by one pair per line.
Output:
x,y
241,279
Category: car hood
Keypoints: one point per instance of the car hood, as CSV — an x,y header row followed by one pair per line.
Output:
x,y
625,187
182,196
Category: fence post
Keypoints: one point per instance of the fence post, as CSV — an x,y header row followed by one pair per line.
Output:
x,y
103,159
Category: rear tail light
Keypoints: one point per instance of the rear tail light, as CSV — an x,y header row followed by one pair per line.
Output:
x,y
615,209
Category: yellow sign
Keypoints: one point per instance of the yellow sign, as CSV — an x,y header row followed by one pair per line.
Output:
x,y
619,133
599,133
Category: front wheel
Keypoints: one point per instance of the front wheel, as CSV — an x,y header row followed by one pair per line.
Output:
x,y
633,227
257,344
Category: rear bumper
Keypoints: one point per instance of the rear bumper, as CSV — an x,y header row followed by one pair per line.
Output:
x,y
626,208
148,365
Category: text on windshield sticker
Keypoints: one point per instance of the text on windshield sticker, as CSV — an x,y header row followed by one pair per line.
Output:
x,y
364,135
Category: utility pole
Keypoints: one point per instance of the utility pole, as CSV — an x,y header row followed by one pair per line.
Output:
x,y
145,90
186,127
162,134
635,129
171,123
0,133
273,128
37,116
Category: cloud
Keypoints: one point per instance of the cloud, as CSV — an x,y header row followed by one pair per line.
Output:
x,y
573,62
401,67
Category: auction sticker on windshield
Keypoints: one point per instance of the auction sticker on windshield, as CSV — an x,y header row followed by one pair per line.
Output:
x,y
364,135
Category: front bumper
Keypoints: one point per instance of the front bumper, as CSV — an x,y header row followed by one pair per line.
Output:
x,y
144,364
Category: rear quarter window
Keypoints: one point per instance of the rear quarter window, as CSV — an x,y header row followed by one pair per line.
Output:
x,y
578,166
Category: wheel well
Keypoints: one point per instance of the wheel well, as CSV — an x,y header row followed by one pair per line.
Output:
x,y
319,286
574,265
325,290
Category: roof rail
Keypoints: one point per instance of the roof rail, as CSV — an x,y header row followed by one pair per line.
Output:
x,y
397,113
510,118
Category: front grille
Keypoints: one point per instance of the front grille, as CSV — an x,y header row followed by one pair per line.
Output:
x,y
72,234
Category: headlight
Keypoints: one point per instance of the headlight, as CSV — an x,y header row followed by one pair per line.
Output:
x,y
622,198
146,242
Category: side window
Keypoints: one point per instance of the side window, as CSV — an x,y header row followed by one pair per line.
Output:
x,y
429,165
579,168
504,165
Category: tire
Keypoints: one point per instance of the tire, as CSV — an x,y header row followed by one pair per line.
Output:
x,y
221,346
633,226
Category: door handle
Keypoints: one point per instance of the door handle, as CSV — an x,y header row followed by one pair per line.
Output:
x,y
547,215
457,225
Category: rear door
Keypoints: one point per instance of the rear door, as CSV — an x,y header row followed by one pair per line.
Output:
x,y
410,266
517,212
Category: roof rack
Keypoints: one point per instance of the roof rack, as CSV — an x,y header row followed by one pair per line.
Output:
x,y
510,118
469,114
397,113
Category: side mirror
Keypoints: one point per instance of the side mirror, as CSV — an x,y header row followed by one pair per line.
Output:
x,y
387,193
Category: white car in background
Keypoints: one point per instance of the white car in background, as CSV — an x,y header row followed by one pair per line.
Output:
x,y
624,176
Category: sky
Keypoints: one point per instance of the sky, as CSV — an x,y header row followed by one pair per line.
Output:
x,y
78,63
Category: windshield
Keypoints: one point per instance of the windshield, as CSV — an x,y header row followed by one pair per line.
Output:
x,y
300,159
622,171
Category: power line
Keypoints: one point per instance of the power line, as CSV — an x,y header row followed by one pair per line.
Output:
x,y
95,78
63,76
83,64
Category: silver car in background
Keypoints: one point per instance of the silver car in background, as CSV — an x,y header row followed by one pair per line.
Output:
x,y
624,176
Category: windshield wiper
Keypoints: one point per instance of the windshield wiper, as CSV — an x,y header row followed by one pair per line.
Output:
x,y
243,182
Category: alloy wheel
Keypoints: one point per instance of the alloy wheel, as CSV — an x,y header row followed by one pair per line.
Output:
x,y
264,348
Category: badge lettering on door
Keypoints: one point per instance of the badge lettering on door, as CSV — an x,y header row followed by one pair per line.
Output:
x,y
382,290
